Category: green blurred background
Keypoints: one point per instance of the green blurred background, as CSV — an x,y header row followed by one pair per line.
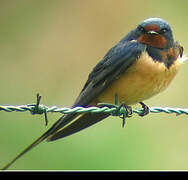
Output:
x,y
50,47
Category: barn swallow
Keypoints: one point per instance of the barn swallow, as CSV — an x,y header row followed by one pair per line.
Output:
x,y
138,67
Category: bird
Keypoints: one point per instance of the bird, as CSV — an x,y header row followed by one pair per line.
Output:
x,y
141,65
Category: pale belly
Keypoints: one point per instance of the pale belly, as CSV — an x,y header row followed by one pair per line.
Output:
x,y
141,81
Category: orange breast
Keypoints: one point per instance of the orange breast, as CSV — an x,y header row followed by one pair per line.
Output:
x,y
142,80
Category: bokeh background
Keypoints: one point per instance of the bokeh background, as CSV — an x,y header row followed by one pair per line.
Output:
x,y
49,47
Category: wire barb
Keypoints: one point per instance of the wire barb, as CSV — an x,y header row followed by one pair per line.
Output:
x,y
39,109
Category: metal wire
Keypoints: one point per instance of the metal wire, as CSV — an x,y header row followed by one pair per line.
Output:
x,y
40,109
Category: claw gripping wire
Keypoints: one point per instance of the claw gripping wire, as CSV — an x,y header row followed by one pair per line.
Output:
x,y
109,108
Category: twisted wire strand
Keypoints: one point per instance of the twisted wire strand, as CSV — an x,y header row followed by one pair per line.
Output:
x,y
40,109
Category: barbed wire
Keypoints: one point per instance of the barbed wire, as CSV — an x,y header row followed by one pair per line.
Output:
x,y
65,110
115,110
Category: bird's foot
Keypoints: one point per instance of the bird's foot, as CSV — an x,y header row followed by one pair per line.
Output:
x,y
127,112
145,109
123,111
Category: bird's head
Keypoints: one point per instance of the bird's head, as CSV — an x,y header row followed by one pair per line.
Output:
x,y
155,32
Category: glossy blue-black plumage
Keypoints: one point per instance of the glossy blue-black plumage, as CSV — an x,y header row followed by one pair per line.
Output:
x,y
115,62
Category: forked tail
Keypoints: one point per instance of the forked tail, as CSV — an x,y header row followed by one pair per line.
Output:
x,y
65,126
36,142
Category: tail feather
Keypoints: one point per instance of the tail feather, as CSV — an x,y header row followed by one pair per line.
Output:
x,y
60,123
79,123
36,142
65,126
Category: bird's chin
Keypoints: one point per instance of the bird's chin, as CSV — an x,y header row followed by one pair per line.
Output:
x,y
154,40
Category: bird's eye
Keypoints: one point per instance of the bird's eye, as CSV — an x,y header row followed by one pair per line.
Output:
x,y
141,29
164,30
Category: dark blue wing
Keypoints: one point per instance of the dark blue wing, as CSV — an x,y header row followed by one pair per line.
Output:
x,y
115,62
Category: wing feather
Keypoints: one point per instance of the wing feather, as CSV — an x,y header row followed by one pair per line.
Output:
x,y
116,61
